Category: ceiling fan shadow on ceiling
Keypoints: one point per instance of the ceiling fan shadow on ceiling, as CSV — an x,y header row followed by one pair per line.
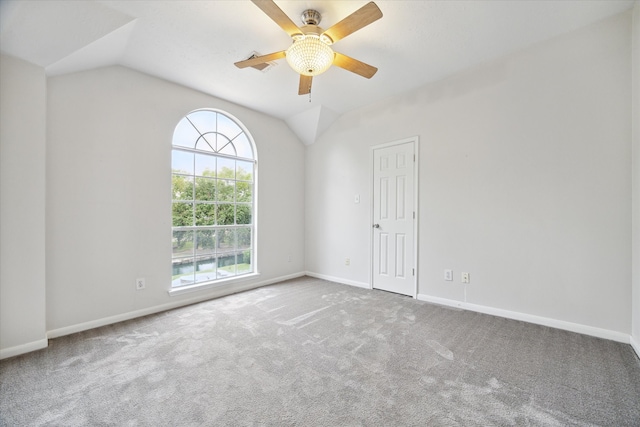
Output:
x,y
310,53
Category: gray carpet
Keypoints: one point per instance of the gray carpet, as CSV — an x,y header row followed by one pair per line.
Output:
x,y
313,353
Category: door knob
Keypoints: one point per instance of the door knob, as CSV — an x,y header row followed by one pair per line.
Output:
x,y
376,225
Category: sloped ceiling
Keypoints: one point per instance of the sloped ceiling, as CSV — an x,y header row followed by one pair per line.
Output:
x,y
195,43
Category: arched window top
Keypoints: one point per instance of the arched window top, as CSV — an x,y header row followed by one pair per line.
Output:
x,y
214,132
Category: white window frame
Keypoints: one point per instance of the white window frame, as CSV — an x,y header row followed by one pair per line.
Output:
x,y
216,282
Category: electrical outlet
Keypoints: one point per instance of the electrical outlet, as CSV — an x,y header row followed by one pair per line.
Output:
x,y
347,261
448,275
289,258
464,278
140,284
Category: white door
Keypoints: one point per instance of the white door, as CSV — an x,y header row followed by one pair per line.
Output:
x,y
394,217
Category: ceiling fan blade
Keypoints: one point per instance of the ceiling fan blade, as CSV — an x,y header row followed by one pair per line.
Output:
x,y
353,65
305,85
352,23
278,16
260,59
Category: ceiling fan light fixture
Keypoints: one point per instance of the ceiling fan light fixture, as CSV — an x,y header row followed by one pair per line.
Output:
x,y
309,55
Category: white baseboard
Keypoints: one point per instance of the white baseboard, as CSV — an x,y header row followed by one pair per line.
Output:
x,y
635,345
573,327
216,293
23,348
538,320
339,280
441,301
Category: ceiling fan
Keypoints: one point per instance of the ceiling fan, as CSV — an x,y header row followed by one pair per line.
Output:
x,y
310,53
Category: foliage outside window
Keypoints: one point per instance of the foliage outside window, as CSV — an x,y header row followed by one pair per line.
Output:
x,y
213,194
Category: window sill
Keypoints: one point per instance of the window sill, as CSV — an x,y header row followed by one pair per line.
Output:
x,y
226,283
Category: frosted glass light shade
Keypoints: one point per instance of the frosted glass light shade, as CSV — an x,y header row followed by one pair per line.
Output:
x,y
310,56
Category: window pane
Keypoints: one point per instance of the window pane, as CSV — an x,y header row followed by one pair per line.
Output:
x,y
204,121
226,168
226,265
183,272
226,190
228,127
243,147
205,242
243,214
244,238
185,134
243,192
206,189
182,162
226,239
226,147
207,142
182,243
244,171
205,214
226,214
244,262
206,269
181,187
182,214
205,165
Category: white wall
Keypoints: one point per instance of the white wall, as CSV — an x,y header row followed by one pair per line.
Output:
x,y
524,181
108,195
22,206
636,178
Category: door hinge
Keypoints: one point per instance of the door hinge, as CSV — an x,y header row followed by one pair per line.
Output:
x,y
413,271
414,215
414,157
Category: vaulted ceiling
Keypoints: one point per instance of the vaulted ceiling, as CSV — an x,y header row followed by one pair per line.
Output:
x,y
195,44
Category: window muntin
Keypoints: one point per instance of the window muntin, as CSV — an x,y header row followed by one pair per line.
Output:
x,y
213,199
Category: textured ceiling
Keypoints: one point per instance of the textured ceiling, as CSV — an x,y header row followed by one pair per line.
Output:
x,y
195,43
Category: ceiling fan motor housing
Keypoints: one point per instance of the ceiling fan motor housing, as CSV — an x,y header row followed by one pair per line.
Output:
x,y
311,17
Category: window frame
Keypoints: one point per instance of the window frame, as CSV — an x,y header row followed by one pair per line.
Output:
x,y
194,202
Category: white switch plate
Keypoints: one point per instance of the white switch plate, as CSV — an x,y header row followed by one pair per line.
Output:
x,y
347,261
356,198
448,275
140,284
464,277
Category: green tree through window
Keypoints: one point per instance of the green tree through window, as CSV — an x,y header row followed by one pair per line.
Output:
x,y
213,199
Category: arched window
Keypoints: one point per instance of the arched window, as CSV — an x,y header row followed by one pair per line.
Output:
x,y
213,169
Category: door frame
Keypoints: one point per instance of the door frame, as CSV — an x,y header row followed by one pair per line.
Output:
x,y
415,140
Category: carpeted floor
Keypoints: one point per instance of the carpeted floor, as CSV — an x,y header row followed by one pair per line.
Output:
x,y
313,353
